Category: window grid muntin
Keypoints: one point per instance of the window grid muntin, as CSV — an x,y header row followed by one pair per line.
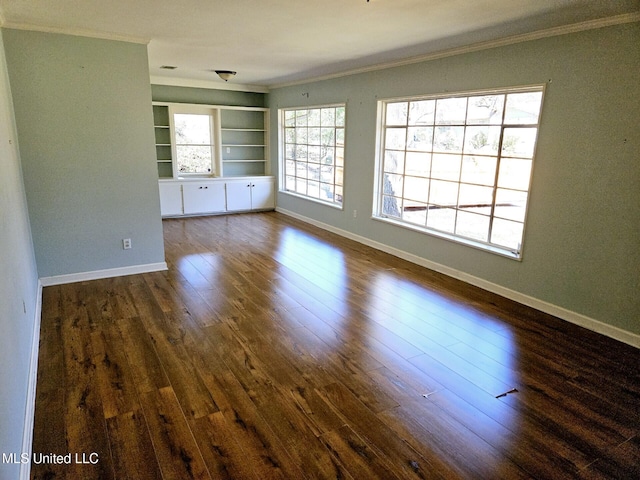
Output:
x,y
330,176
462,153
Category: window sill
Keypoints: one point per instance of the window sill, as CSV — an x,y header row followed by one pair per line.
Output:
x,y
311,199
503,252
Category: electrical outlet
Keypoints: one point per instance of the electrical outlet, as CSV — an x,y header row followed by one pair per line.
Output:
x,y
355,213
126,243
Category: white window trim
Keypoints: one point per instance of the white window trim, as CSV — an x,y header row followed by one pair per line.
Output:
x,y
281,156
216,138
379,174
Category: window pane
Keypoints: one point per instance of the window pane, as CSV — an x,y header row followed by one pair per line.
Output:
x,y
289,118
301,135
301,152
194,159
415,212
397,113
302,117
392,185
485,110
301,170
507,233
326,174
391,206
301,186
443,193
313,136
192,129
395,138
523,108
511,204
339,156
313,171
313,189
514,173
519,142
420,138
290,167
448,139
290,135
472,226
339,136
338,194
451,111
422,112
328,116
475,198
416,188
290,152
443,219
327,136
340,116
290,183
327,155
481,170
314,117
445,167
418,164
326,192
393,161
482,140
314,153
339,176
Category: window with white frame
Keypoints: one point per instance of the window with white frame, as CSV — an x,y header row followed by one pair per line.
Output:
x,y
194,141
312,152
459,166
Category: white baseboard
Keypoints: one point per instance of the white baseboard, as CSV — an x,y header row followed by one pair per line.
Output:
x,y
98,274
546,307
30,410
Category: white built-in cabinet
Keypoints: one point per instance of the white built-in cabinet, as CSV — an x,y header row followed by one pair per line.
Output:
x,y
203,197
216,195
249,194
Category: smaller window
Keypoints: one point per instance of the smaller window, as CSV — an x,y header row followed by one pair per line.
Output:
x,y
312,152
194,141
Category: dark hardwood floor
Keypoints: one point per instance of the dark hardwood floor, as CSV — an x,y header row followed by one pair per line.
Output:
x,y
271,349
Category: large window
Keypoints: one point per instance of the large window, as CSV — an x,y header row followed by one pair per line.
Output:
x,y
459,166
312,152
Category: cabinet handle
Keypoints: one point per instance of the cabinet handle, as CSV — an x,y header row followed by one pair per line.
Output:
x,y
200,188
249,185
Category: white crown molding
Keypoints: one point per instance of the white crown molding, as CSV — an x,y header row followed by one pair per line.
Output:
x,y
592,324
210,84
501,42
78,32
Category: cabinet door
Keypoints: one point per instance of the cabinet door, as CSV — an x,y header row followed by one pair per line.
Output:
x,y
170,199
262,194
203,197
239,195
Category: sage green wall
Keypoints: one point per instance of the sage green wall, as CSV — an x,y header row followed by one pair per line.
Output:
x,y
18,284
581,247
207,96
84,119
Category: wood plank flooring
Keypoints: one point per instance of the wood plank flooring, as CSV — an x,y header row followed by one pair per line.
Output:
x,y
271,349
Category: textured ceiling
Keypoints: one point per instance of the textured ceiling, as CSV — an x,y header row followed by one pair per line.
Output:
x,y
271,42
